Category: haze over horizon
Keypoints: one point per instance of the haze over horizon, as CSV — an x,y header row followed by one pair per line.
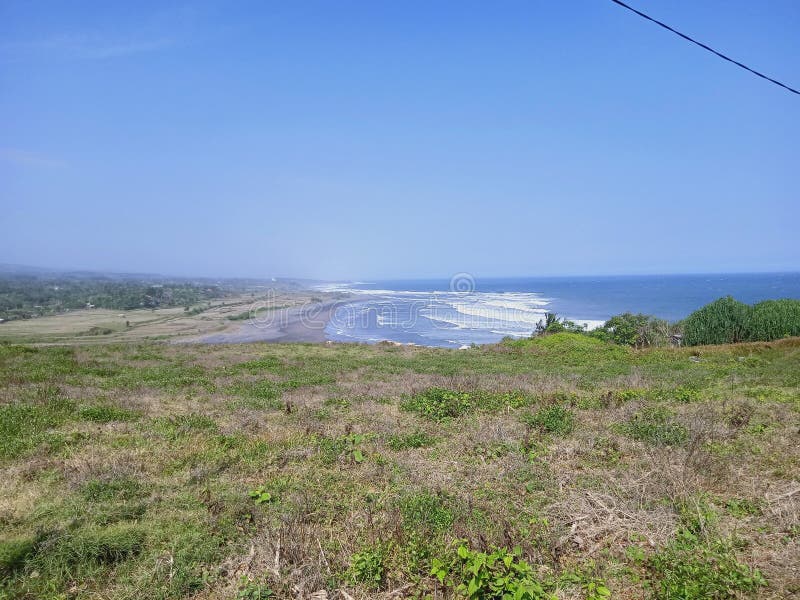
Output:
x,y
379,141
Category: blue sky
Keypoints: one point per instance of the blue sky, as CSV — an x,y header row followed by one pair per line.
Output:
x,y
398,139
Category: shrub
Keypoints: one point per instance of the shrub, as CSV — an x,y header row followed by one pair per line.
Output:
x,y
249,590
499,574
367,567
774,319
570,349
690,568
552,419
439,404
637,330
655,425
426,511
724,321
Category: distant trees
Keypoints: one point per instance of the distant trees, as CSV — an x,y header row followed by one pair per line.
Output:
x,y
637,330
552,324
27,296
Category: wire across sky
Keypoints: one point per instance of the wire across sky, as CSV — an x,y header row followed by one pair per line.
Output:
x,y
705,47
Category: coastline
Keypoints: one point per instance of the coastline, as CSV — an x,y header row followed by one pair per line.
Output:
x,y
304,323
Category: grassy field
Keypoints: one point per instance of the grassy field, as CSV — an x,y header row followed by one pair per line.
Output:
x,y
558,467
99,325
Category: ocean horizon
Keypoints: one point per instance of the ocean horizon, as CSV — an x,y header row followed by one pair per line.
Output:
x,y
463,310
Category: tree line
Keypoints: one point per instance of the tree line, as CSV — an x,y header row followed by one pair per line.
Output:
x,y
724,321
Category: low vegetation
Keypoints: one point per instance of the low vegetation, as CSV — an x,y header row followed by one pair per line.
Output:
x,y
724,321
562,466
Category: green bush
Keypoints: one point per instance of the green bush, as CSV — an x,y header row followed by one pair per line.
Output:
x,y
498,575
727,321
367,567
774,319
655,425
552,419
724,321
426,511
439,404
637,330
691,568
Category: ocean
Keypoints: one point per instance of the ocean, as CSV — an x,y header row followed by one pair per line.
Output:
x,y
464,310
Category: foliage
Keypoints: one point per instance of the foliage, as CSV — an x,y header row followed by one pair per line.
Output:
x,y
655,425
500,574
691,568
553,324
349,445
367,567
724,321
260,495
26,296
426,511
440,404
352,446
774,319
552,419
249,590
637,330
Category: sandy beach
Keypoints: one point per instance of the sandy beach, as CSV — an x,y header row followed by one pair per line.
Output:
x,y
304,323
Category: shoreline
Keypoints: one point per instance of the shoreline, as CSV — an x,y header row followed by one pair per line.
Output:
x,y
304,323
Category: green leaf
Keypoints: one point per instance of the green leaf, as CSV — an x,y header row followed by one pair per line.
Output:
x,y
472,587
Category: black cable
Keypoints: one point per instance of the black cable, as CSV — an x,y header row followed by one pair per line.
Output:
x,y
686,37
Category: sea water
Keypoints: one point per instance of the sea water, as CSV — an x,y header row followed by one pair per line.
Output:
x,y
464,310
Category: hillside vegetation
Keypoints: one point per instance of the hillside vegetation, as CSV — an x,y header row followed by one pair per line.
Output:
x,y
724,321
556,467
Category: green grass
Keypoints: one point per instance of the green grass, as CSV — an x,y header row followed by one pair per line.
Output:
x,y
24,425
552,419
655,425
107,414
562,465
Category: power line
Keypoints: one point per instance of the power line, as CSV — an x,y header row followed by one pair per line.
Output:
x,y
702,45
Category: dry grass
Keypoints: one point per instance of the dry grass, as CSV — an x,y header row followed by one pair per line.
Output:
x,y
584,504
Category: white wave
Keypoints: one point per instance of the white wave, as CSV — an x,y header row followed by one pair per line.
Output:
x,y
516,334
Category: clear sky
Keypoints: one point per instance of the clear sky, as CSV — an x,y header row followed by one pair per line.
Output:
x,y
398,139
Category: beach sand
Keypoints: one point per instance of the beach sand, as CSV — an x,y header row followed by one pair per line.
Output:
x,y
297,324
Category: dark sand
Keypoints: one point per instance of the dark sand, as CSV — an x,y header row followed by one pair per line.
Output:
x,y
298,324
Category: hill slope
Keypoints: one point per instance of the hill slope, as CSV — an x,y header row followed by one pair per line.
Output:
x,y
384,471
